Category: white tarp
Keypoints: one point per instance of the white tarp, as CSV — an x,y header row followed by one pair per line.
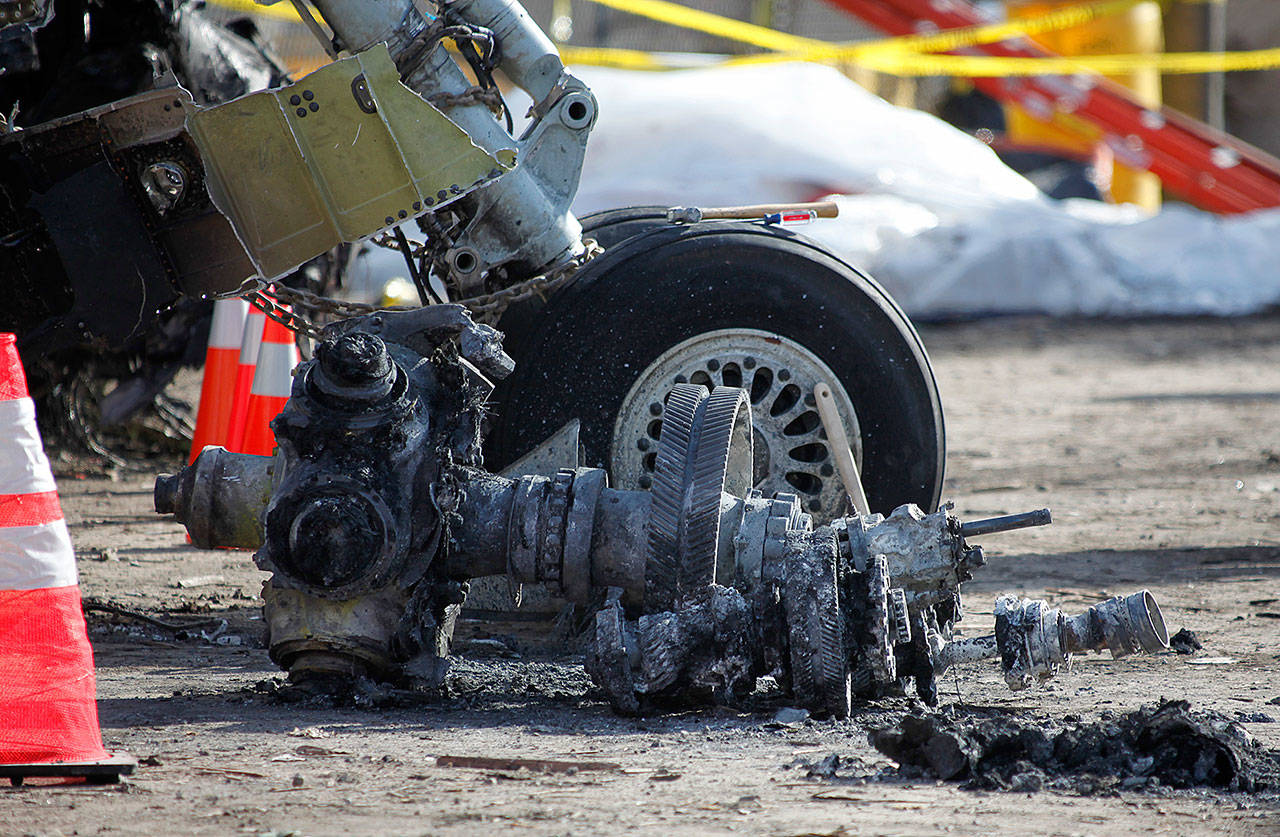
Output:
x,y
926,209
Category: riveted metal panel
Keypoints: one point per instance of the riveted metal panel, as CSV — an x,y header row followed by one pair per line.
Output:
x,y
341,154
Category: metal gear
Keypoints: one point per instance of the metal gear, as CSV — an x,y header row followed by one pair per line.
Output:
x,y
557,519
661,571
706,443
898,616
879,654
819,667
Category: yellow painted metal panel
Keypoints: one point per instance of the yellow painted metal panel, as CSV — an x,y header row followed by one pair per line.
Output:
x,y
343,153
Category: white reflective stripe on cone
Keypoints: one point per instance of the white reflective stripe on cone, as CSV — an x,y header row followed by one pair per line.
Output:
x,y
23,466
228,323
32,557
252,337
274,375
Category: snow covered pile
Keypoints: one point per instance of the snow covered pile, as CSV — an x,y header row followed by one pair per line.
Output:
x,y
927,210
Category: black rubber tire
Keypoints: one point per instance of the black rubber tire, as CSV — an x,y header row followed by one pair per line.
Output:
x,y
614,226
578,354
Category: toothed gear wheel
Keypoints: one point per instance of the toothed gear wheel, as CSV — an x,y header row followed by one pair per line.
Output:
x,y
557,517
820,678
705,448
901,621
880,652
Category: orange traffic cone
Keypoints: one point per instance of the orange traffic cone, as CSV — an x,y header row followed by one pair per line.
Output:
x,y
217,391
48,717
250,340
272,381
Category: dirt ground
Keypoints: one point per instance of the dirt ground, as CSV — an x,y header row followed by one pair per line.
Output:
x,y
1155,443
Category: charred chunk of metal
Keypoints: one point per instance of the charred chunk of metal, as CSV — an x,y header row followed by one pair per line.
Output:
x,y
379,513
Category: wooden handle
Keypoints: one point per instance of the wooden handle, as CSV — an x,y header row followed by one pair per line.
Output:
x,y
822,209
839,446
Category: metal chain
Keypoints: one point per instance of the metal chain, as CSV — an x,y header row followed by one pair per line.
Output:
x,y
470,96
486,308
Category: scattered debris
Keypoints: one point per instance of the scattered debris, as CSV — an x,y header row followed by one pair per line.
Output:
x,y
536,765
1185,642
1167,744
198,581
310,732
791,715
313,750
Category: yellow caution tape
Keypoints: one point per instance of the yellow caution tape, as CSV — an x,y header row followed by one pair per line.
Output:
x,y
970,66
906,56
991,33
1169,63
622,59
713,24
809,49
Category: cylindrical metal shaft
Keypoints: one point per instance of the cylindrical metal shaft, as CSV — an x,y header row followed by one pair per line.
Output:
x,y
991,525
480,543
219,498
969,650
1123,625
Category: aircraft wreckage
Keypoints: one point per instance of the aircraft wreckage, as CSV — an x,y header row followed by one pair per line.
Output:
x,y
376,510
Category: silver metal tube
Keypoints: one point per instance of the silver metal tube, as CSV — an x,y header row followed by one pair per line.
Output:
x,y
969,650
360,24
480,544
528,57
521,218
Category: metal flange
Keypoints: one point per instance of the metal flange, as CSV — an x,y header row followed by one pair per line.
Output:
x,y
575,577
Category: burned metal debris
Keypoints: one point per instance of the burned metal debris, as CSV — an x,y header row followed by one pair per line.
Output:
x,y
375,511
1168,744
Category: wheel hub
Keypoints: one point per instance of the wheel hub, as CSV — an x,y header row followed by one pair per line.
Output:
x,y
792,454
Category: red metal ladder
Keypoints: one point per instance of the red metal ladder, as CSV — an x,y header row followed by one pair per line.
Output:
x,y
1203,166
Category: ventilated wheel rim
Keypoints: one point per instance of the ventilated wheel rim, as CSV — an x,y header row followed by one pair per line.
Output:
x,y
792,454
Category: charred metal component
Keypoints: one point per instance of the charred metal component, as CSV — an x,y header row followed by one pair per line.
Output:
x,y
104,214
19,21
379,514
705,652
1033,640
219,498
